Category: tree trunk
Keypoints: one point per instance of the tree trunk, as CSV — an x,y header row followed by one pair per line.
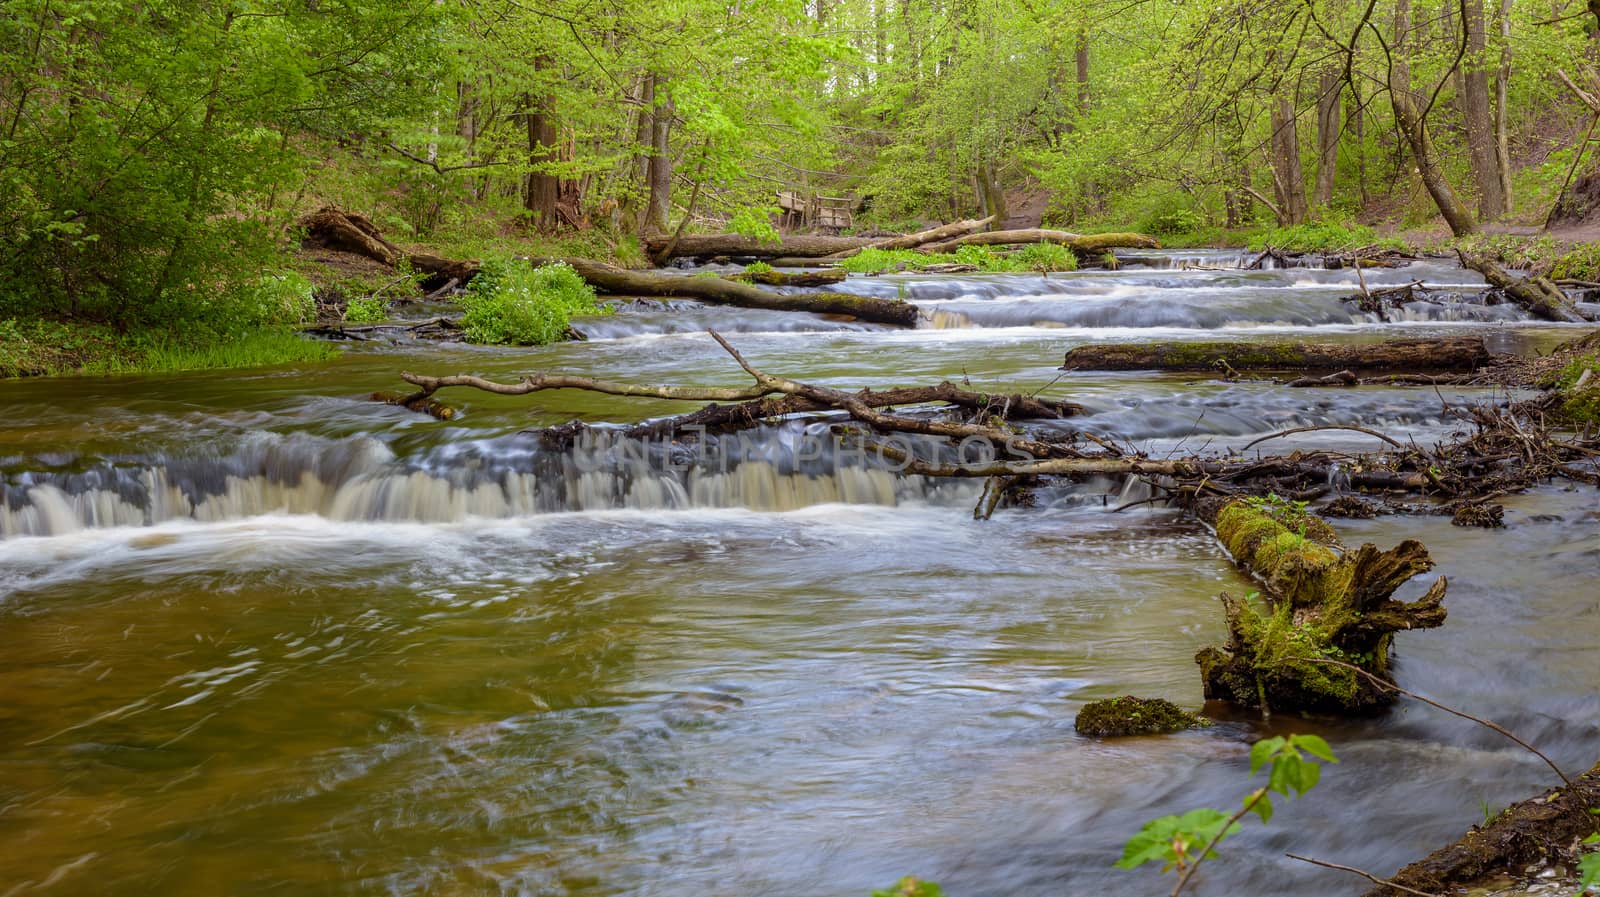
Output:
x,y
542,190
659,211
1409,117
992,194
1537,295
1482,142
1463,353
1328,107
636,197
1082,56
1288,177
1502,107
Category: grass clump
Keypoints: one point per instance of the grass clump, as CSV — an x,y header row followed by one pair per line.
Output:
x,y
1045,258
881,261
1040,257
39,347
512,303
1330,236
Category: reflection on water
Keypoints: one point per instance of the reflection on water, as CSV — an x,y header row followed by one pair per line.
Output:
x,y
277,638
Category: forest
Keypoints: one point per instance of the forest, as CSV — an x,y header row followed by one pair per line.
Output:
x,y
892,447
159,159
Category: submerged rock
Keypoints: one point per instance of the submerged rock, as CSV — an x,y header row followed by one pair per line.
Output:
x,y
1129,715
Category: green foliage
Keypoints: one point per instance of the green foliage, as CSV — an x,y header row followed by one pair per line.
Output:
x,y
1580,406
879,261
1040,257
1045,258
145,144
756,222
1176,221
910,886
48,347
513,303
1182,842
366,310
1589,863
1324,236
1582,263
758,268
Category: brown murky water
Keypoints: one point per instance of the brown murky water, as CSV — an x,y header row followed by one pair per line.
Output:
x,y
262,636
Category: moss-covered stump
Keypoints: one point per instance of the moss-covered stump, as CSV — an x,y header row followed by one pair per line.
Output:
x,y
1317,602
1129,715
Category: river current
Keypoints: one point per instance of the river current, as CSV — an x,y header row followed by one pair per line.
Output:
x,y
263,635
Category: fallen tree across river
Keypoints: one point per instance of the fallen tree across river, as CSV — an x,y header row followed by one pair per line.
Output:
x,y
349,232
1466,353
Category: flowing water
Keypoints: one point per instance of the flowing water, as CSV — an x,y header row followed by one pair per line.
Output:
x,y
266,636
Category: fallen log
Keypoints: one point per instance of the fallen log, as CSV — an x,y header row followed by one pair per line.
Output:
x,y
349,232
712,245
1084,244
912,241
1464,353
615,281
1536,832
1537,295
1316,602
785,279
352,232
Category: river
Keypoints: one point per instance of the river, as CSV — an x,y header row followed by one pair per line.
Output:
x,y
265,636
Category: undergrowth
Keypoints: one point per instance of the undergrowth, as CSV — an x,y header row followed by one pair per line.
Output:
x,y
510,302
1332,236
1036,257
50,347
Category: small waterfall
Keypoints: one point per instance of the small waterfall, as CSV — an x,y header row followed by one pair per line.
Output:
x,y
779,468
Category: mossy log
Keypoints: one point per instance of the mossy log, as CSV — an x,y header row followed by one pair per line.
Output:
x,y
786,279
349,232
622,282
1086,245
1465,353
1316,602
1538,831
702,246
1128,715
1537,295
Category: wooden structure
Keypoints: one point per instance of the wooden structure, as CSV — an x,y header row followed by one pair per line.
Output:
x,y
808,210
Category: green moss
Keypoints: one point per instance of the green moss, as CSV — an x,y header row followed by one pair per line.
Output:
x,y
1237,354
1129,715
1582,263
1579,405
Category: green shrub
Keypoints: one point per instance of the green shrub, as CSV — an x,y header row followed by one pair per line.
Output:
x,y
366,310
510,302
879,261
758,268
1046,257
1176,221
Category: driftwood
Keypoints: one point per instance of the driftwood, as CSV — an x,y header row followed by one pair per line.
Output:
x,y
1465,353
1084,244
1536,294
1316,602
